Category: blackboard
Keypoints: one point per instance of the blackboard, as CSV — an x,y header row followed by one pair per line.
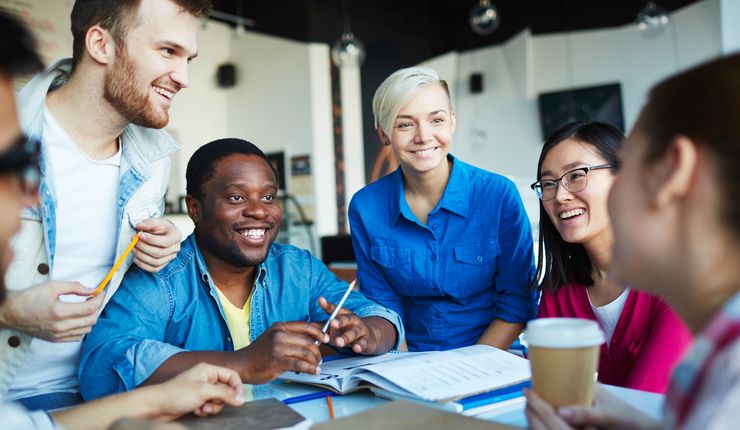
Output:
x,y
597,103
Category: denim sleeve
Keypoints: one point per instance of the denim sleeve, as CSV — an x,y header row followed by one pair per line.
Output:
x,y
324,284
369,277
517,301
126,344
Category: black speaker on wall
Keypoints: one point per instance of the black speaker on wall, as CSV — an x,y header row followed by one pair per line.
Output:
x,y
475,83
226,75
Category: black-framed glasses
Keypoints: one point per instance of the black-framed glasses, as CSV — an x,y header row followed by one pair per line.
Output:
x,y
22,159
574,181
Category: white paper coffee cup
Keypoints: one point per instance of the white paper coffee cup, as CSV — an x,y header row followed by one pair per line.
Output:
x,y
564,355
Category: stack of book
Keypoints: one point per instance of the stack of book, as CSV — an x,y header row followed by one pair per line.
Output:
x,y
470,380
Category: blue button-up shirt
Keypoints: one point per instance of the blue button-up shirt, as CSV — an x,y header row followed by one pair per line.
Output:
x,y
153,316
472,263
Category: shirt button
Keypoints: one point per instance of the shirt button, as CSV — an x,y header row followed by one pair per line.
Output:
x,y
433,225
480,258
14,341
43,268
228,339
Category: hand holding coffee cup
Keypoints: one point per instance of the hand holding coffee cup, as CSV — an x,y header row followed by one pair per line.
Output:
x,y
564,355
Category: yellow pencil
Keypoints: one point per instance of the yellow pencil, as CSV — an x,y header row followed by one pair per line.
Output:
x,y
117,265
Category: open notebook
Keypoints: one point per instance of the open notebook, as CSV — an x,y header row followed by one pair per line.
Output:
x,y
439,376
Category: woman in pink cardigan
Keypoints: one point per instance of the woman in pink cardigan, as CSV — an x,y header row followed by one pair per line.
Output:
x,y
645,338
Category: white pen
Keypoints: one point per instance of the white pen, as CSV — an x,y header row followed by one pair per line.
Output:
x,y
337,309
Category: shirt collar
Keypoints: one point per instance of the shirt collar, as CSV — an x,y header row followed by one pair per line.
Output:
x,y
205,275
454,199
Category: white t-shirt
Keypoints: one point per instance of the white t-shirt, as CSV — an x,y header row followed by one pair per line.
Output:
x,y
608,315
16,418
86,230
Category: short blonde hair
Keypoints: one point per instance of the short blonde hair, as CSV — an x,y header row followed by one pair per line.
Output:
x,y
397,90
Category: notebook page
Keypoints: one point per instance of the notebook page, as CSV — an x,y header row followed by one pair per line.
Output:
x,y
337,373
456,373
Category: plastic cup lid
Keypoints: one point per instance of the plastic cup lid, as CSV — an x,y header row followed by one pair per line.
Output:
x,y
563,333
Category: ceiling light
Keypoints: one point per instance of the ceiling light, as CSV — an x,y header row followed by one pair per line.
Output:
x,y
348,50
484,18
652,20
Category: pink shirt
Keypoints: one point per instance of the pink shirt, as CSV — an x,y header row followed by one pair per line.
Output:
x,y
647,343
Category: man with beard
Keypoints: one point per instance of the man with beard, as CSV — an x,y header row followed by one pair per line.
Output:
x,y
232,297
104,174
202,390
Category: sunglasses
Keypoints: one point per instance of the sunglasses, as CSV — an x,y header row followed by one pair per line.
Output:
x,y
22,159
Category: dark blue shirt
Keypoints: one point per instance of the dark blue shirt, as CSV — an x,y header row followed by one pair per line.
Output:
x,y
472,263
153,316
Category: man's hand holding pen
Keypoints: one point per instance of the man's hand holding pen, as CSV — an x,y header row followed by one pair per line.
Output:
x,y
370,335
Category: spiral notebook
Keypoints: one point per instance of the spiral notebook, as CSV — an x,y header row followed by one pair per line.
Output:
x,y
438,376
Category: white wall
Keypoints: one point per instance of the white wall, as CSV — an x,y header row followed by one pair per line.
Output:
x,y
446,66
499,129
282,102
730,17
199,113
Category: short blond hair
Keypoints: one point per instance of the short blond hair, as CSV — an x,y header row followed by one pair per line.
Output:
x,y
397,90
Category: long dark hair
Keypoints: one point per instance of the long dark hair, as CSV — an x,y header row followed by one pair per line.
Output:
x,y
560,262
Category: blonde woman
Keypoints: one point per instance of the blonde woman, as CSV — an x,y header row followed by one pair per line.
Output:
x,y
446,245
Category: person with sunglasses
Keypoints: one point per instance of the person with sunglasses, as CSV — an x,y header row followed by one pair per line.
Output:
x,y
644,336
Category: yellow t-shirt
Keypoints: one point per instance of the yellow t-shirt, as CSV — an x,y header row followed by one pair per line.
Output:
x,y
237,319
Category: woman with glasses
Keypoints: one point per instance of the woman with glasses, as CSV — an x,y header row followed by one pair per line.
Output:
x,y
676,220
644,337
446,245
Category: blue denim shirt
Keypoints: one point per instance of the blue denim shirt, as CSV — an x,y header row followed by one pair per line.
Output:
x,y
156,315
472,263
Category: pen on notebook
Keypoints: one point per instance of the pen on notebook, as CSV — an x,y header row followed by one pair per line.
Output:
x,y
337,309
115,267
330,406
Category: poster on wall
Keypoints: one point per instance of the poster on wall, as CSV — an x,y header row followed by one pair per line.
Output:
x,y
49,22
277,159
301,186
299,203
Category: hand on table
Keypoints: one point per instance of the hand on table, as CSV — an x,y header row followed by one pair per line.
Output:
x,y
158,244
203,390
